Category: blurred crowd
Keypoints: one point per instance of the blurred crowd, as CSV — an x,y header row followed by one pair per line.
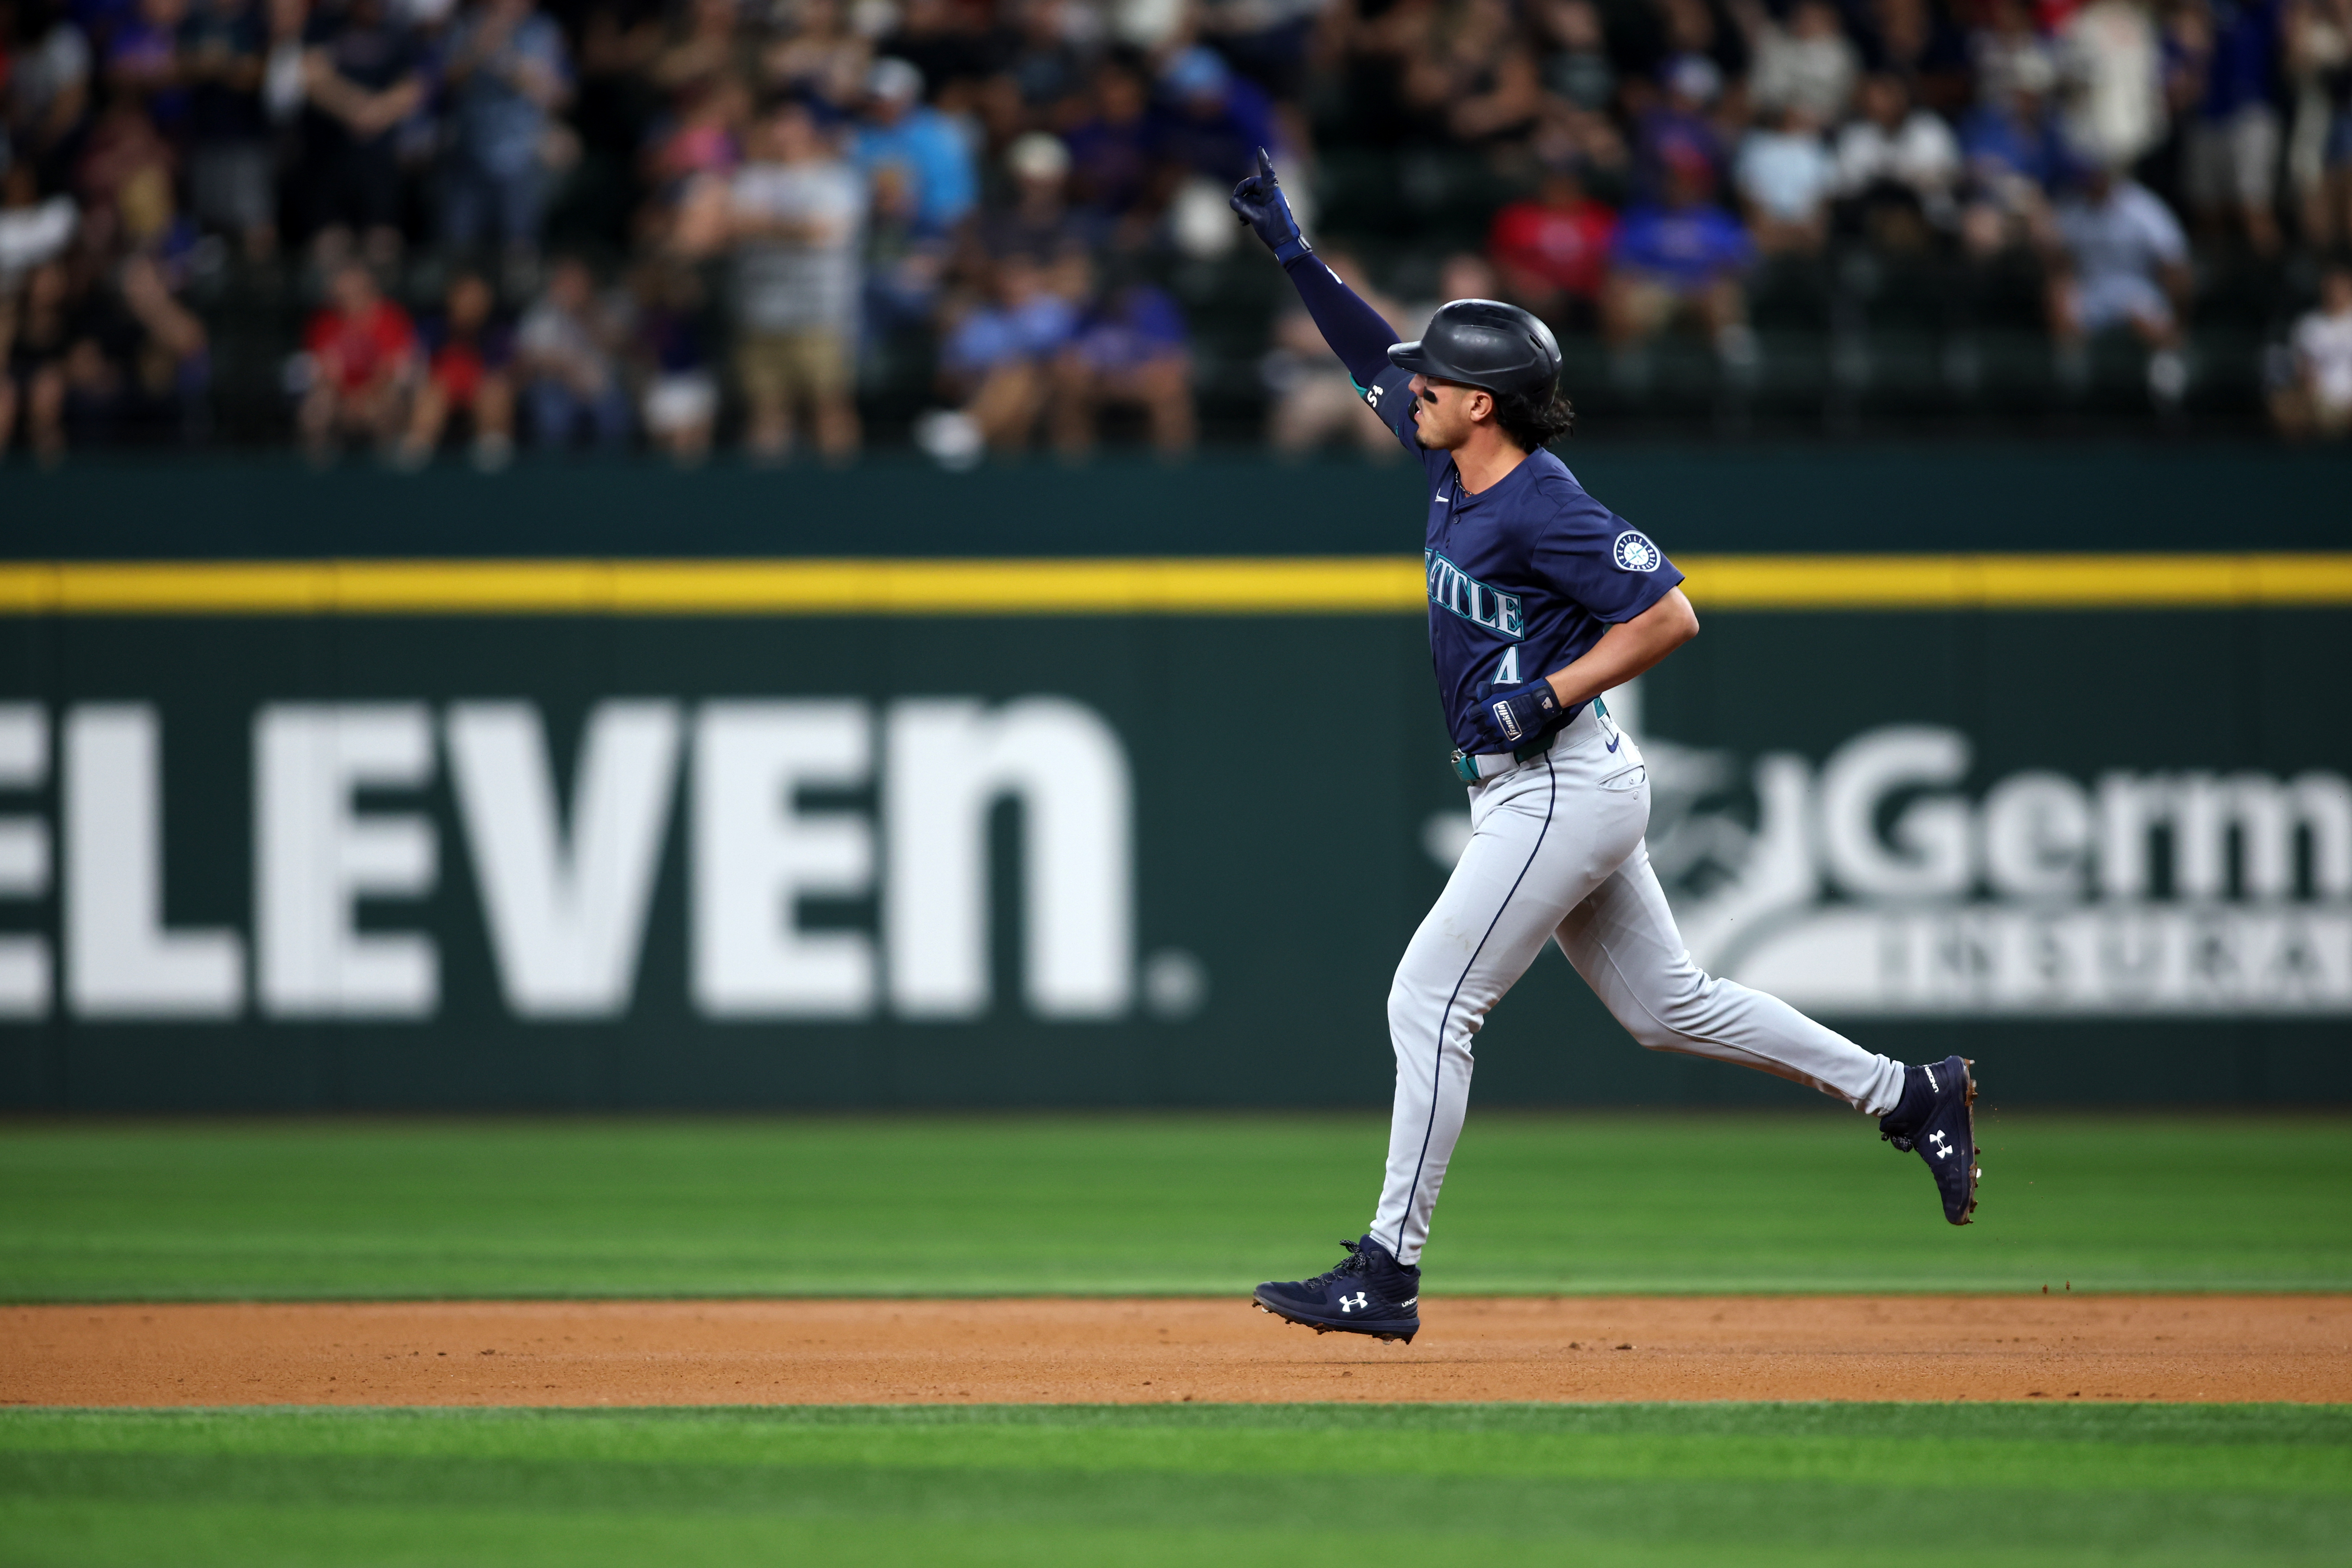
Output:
x,y
429,226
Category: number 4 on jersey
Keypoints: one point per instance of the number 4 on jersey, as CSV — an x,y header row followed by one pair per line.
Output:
x,y
1508,672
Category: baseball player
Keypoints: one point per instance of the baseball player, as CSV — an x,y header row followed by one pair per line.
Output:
x,y
1540,599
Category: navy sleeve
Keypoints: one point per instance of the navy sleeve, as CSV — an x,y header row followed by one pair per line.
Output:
x,y
1389,396
1596,558
1361,337
1353,329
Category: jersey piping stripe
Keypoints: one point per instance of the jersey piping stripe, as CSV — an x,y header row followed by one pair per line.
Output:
x,y
1437,1068
1273,585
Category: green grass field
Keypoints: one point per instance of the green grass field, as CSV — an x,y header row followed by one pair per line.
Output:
x,y
971,1205
1443,1485
1083,1204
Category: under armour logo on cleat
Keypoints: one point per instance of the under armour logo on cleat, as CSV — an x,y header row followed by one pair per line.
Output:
x,y
1943,1149
1355,1304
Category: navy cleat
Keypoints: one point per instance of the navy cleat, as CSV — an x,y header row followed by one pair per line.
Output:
x,y
1370,1293
1935,1120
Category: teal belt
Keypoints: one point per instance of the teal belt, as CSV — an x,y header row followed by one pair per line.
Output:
x,y
1467,768
1479,766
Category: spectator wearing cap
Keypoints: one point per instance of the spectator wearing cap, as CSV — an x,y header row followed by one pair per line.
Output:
x,y
506,72
2315,398
361,352
797,213
1680,256
2120,260
1130,350
1553,252
913,151
1039,221
1678,131
469,375
1785,178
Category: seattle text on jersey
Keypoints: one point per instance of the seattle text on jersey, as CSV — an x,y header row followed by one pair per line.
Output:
x,y
1451,588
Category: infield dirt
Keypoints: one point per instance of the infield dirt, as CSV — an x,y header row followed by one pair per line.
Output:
x,y
2218,1348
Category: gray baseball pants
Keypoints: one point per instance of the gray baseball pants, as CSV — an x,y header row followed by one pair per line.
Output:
x,y
1555,854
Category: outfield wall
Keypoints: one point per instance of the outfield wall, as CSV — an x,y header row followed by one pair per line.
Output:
x,y
639,828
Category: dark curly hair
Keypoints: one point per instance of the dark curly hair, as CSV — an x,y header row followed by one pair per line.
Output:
x,y
1534,420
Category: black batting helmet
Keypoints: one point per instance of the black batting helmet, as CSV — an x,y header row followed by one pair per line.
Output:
x,y
1487,344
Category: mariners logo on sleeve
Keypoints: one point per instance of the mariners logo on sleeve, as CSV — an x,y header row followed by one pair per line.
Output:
x,y
1634,552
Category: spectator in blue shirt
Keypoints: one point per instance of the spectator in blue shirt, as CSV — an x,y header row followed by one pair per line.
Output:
x,y
1679,130
2014,152
1111,149
1131,349
998,358
928,163
506,73
1684,255
1210,121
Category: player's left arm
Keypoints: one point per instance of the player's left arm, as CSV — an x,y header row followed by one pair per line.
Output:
x,y
1617,575
1624,651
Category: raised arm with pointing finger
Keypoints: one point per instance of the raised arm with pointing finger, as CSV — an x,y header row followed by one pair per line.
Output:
x,y
1356,331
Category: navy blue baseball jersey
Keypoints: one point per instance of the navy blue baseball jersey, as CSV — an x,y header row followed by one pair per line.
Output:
x,y
1524,577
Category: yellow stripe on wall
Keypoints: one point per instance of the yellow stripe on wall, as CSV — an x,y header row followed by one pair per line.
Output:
x,y
1324,585
1346,585
2016,581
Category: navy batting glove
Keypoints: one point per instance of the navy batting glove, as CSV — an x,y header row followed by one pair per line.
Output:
x,y
1521,714
1263,207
